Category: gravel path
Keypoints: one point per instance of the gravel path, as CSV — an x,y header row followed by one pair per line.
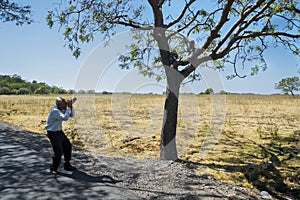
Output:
x,y
24,174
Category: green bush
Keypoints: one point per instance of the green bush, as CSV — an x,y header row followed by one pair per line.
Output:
x,y
23,91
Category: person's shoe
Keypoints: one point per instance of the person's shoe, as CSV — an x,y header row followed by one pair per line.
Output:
x,y
70,168
53,172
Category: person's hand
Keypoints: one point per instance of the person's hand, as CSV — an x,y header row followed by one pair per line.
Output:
x,y
69,103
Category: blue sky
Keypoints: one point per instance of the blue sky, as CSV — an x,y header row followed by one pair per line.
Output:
x,y
37,53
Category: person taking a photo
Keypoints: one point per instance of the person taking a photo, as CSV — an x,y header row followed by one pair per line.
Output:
x,y
61,145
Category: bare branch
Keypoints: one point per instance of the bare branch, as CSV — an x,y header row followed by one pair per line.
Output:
x,y
275,34
251,35
205,22
186,7
186,25
131,24
236,74
295,22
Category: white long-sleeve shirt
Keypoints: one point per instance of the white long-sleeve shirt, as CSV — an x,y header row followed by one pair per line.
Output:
x,y
56,117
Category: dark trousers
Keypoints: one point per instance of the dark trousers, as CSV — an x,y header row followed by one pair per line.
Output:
x,y
61,146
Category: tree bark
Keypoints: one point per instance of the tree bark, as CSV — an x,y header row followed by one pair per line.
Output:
x,y
168,149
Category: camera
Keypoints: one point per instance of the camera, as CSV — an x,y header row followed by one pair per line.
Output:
x,y
73,100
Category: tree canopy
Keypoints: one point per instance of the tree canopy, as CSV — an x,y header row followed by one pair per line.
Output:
x,y
173,38
230,32
287,85
13,12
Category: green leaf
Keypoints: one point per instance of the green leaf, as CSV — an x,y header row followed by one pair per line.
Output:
x,y
296,51
49,19
62,18
158,78
76,53
254,70
68,31
109,5
72,8
258,48
203,12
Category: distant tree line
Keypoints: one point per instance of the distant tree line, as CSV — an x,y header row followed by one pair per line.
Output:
x,y
211,91
15,85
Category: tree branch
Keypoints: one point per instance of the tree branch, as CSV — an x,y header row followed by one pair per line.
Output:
x,y
205,22
14,12
295,22
251,35
222,20
275,34
213,34
157,13
193,65
131,24
240,21
187,5
185,26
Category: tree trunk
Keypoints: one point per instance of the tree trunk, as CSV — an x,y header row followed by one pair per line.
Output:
x,y
168,149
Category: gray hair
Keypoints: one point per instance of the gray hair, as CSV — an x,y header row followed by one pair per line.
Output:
x,y
58,100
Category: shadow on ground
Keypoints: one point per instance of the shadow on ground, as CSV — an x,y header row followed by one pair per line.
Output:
x,y
24,172
265,176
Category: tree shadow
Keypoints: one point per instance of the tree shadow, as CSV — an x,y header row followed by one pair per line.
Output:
x,y
263,179
24,163
266,176
84,177
24,172
263,176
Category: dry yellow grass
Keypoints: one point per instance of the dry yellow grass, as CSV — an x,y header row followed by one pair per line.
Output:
x,y
234,130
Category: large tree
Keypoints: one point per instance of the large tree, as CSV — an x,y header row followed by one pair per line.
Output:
x,y
287,85
13,12
187,33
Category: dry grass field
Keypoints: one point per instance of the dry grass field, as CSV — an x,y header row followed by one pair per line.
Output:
x,y
232,137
